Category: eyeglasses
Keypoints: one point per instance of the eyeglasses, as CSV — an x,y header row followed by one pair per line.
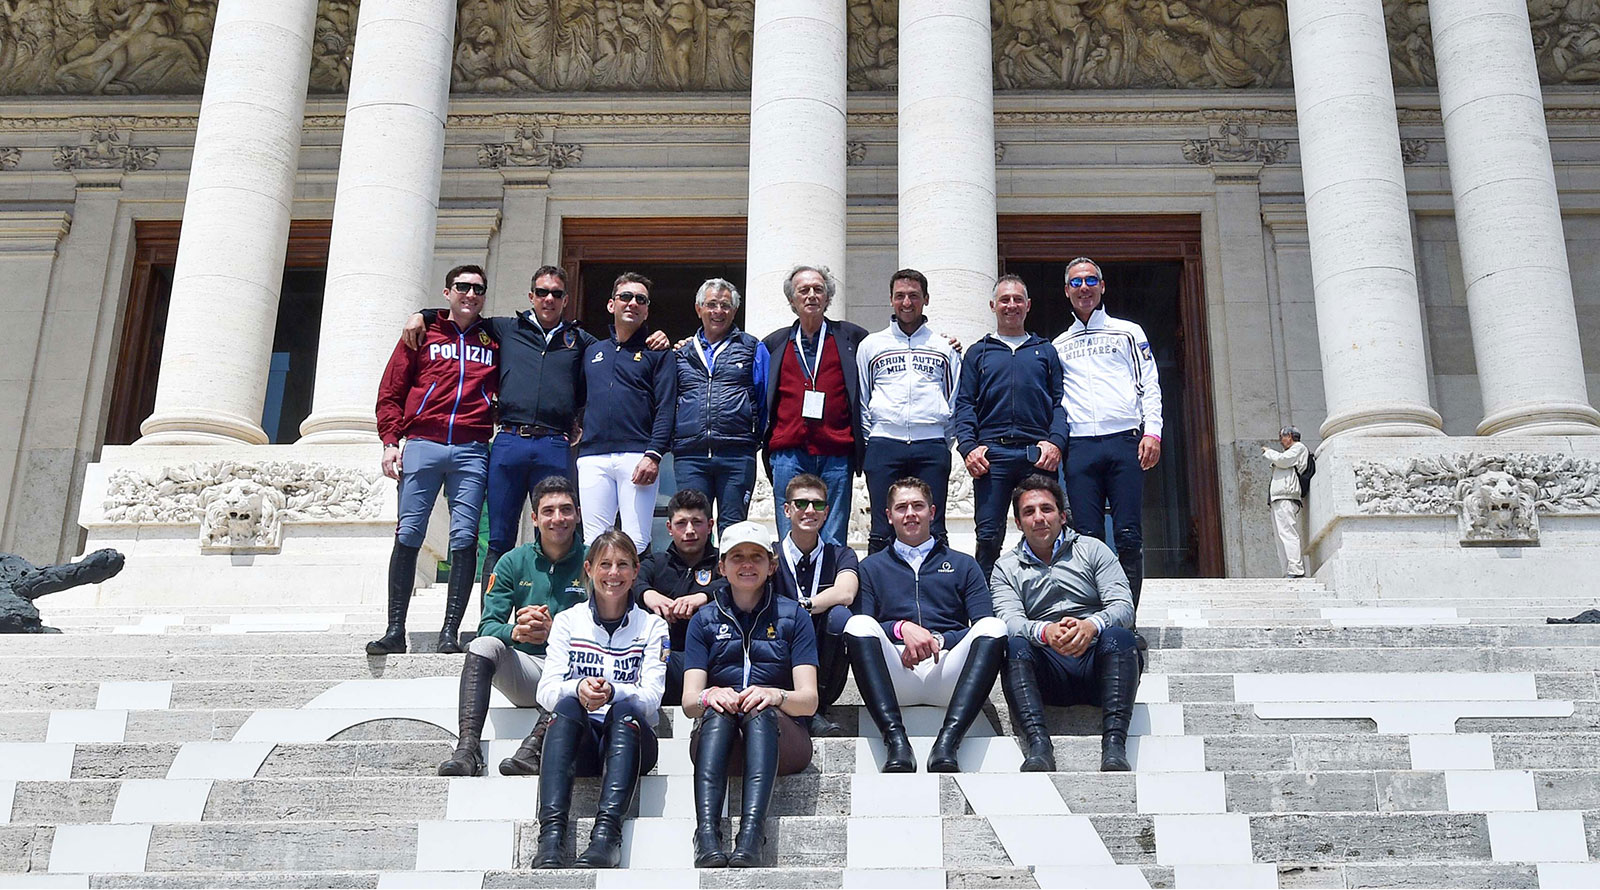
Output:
x,y
467,287
631,296
808,504
811,289
558,293
718,306
1084,281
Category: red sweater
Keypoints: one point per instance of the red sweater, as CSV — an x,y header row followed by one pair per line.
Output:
x,y
442,390
829,437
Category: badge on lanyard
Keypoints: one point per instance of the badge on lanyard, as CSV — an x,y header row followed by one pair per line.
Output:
x,y
811,408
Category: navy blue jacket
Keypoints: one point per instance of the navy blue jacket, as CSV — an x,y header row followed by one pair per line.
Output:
x,y
632,388
541,382
848,337
835,559
726,409
948,596
737,649
1009,395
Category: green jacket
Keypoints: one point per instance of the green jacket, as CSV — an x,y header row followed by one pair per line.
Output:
x,y
524,577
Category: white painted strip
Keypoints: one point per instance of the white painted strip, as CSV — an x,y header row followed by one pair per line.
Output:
x,y
100,849
1490,791
1222,839
1452,752
893,843
1547,836
465,846
86,727
1409,687
134,695
161,800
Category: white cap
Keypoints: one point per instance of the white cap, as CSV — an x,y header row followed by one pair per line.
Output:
x,y
746,532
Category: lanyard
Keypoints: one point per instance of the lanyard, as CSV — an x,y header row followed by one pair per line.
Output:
x,y
709,358
800,353
816,569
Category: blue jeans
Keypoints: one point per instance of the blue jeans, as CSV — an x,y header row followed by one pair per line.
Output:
x,y
1101,468
516,465
1065,680
889,460
991,493
458,469
835,473
726,479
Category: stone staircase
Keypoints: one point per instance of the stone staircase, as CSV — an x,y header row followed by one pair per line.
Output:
x,y
1284,737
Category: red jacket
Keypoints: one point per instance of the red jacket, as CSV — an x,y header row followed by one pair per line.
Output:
x,y
441,391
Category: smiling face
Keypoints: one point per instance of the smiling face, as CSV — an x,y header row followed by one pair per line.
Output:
x,y
911,515
1040,519
908,301
629,305
1010,306
611,572
806,509
549,300
747,567
557,518
468,304
1085,297
716,314
810,295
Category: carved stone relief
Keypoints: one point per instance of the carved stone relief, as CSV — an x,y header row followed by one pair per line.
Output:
x,y
1235,141
1497,497
1498,508
1566,41
106,150
241,517
530,149
10,157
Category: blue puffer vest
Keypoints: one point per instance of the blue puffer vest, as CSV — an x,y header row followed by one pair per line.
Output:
x,y
769,648
722,410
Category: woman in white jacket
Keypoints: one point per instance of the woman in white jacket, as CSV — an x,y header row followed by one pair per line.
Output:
x,y
604,673
1283,497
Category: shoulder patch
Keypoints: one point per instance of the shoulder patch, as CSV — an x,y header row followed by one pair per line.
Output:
x,y
1144,350
702,577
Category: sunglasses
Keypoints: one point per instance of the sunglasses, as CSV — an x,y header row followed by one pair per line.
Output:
x,y
467,287
1084,281
549,292
630,296
808,504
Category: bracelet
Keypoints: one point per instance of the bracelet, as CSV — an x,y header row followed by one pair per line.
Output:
x,y
783,697
703,704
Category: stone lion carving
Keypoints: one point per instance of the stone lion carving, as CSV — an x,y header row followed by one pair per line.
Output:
x,y
22,582
1498,508
241,516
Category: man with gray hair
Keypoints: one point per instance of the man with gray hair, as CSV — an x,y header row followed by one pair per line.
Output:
x,y
813,399
721,411
1284,496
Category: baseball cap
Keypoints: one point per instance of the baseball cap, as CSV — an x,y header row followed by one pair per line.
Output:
x,y
746,532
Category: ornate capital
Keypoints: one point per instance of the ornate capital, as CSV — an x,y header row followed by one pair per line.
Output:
x,y
106,150
1414,151
1235,141
530,149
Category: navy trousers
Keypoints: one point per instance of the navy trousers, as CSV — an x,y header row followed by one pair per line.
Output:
x,y
1067,680
1106,468
887,461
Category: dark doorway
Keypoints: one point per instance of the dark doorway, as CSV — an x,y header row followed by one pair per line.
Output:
x,y
1153,278
673,286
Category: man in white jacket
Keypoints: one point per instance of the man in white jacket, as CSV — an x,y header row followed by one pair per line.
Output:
x,y
908,386
1283,495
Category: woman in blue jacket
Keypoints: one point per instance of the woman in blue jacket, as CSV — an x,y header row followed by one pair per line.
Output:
x,y
750,674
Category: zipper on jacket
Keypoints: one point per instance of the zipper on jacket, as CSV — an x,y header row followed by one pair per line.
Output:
x,y
461,384
744,637
424,403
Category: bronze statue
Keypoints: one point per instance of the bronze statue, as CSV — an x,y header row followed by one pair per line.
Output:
x,y
22,582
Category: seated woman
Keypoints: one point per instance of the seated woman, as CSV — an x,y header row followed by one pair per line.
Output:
x,y
750,674
605,669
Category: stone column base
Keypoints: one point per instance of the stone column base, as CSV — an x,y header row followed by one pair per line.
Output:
x,y
233,525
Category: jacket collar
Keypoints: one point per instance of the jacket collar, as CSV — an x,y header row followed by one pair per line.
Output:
x,y
1032,339
900,333
636,342
594,612
710,555
724,598
545,563
1063,547
1097,320
895,554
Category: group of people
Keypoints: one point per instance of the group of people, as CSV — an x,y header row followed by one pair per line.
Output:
x,y
595,629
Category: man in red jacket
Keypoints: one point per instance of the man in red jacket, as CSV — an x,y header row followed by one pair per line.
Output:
x,y
438,398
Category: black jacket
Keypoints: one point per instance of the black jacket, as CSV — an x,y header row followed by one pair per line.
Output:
x,y
1009,395
665,572
847,336
725,410
541,383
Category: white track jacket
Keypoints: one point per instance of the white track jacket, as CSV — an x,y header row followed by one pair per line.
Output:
x,y
633,660
1109,377
908,384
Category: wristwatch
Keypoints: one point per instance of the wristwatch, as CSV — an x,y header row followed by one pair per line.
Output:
x,y
805,603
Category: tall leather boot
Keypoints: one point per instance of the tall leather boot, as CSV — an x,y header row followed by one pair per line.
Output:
x,y
1119,682
477,678
555,792
490,560
717,733
402,580
526,759
988,553
966,702
877,691
458,595
1021,686
833,671
760,779
617,784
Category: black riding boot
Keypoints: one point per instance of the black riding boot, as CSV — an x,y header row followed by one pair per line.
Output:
x,y
877,691
555,791
458,594
490,560
1021,686
833,671
988,553
966,702
402,580
1119,682
477,678
617,784
525,761
760,779
717,733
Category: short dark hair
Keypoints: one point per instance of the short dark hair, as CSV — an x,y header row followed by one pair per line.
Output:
x,y
914,484
465,269
550,485
631,278
555,271
909,275
1037,482
688,499
804,480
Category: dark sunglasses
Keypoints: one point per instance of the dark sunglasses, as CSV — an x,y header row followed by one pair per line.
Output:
x,y
467,287
558,293
1085,281
808,503
631,296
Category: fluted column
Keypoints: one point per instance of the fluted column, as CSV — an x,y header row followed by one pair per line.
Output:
x,y
797,145
380,254
225,287
1369,320
1508,220
947,189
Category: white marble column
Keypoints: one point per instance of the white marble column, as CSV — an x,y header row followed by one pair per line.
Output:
x,y
235,227
1508,220
1369,320
797,142
380,254
947,188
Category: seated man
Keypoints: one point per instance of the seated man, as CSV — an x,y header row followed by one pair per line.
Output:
x,y
529,586
1066,603
673,583
926,634
822,575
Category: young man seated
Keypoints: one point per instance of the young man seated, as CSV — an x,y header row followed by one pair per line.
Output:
x,y
1066,604
673,583
823,577
926,633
